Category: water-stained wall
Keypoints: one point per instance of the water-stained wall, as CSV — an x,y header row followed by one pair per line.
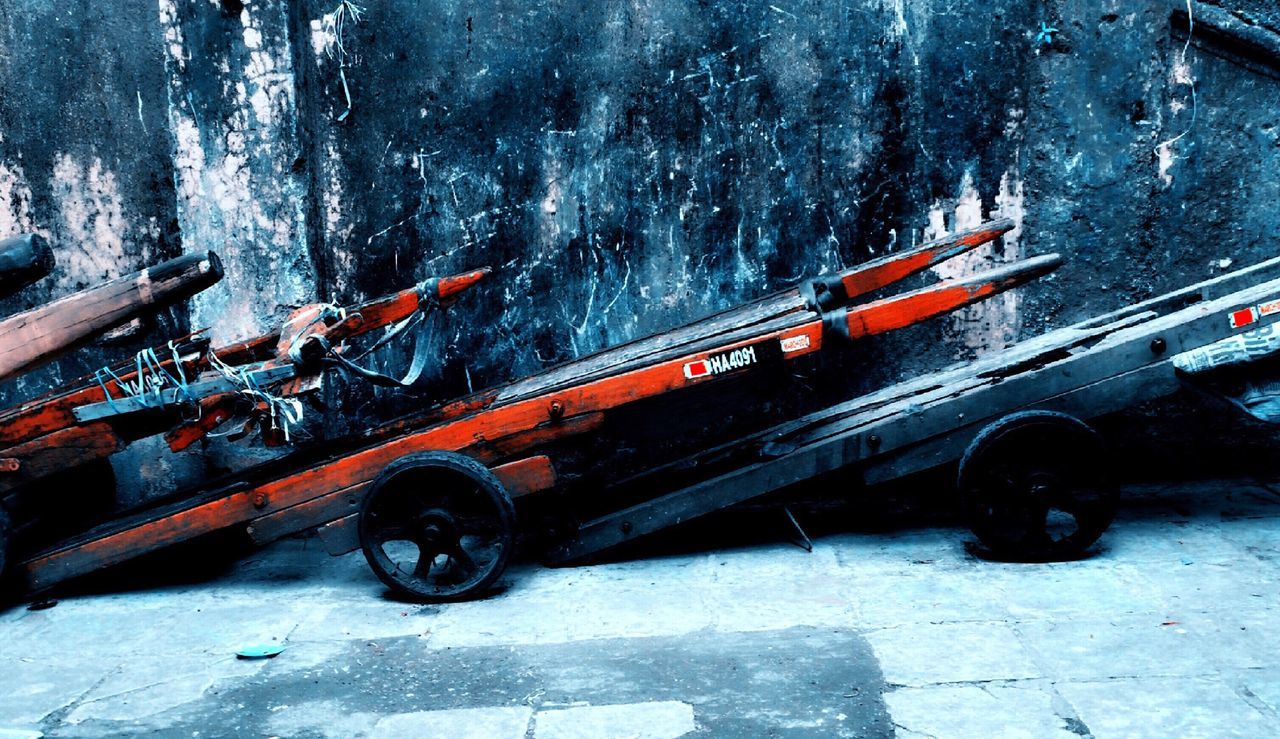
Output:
x,y
626,166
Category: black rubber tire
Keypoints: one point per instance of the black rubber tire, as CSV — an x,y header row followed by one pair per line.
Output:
x,y
1025,476
452,491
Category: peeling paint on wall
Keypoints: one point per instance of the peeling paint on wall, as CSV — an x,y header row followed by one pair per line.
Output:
x,y
995,323
92,227
15,203
625,166
233,117
1182,111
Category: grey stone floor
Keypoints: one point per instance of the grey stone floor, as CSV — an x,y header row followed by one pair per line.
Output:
x,y
1171,630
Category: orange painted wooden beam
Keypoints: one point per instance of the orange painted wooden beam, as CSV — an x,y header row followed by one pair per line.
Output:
x,y
840,289
910,308
61,450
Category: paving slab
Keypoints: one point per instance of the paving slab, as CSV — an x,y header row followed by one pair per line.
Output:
x,y
1262,685
32,689
1171,627
979,712
650,720
508,722
924,654
1165,707
1121,646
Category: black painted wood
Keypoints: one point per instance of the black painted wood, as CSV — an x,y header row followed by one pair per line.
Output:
x,y
1086,370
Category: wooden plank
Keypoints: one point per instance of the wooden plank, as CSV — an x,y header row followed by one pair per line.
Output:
x,y
521,477
341,536
526,476
1201,292
773,310
699,499
307,514
59,451
1091,401
780,310
40,335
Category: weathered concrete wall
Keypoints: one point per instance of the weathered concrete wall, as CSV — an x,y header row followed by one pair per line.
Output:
x,y
84,158
628,166
241,187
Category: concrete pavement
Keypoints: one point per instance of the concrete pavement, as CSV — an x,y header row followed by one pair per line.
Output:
x,y
1172,629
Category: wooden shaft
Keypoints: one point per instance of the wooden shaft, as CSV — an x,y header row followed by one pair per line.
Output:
x,y
909,308
23,260
838,290
389,309
40,335
447,287
53,412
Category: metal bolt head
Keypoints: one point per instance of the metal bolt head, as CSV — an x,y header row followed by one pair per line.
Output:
x,y
1158,345
556,410
260,500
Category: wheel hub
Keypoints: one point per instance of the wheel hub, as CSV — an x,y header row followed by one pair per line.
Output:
x,y
437,527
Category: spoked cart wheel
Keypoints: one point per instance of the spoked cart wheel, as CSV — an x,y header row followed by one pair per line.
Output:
x,y
1035,487
437,527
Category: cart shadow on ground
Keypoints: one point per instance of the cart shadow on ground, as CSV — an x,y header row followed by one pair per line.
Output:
x,y
800,516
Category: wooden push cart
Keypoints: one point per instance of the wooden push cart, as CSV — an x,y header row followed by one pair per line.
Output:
x,y
432,497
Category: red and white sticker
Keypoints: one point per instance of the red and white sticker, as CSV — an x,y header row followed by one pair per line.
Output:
x,y
1246,316
699,368
795,343
1243,317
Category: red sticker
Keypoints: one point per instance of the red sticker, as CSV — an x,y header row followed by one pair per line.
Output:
x,y
1243,317
693,370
